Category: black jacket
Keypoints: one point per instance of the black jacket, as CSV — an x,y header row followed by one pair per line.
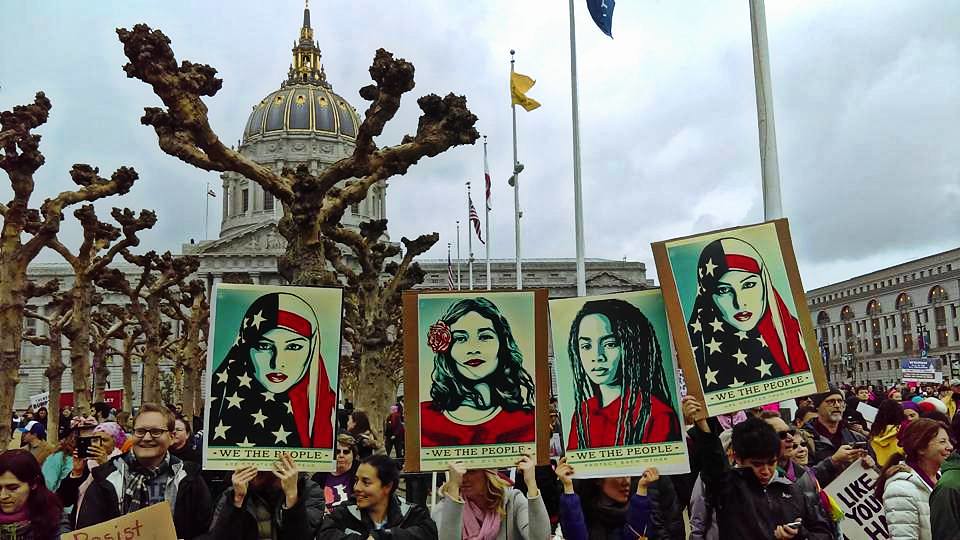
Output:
x,y
192,510
823,467
300,521
666,515
745,509
404,522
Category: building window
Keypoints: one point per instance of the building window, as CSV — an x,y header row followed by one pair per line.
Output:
x,y
244,200
895,343
268,201
888,343
941,337
956,333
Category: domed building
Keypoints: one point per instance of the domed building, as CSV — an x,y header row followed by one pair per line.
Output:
x,y
304,122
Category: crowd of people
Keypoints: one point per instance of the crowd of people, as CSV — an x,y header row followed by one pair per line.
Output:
x,y
757,473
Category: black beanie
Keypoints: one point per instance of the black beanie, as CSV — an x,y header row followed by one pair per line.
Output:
x,y
820,398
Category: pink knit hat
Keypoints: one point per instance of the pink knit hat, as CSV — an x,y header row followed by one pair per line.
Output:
x,y
114,430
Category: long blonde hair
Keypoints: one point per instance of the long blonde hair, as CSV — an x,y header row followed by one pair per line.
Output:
x,y
495,493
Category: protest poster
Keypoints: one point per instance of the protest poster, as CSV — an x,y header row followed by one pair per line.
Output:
x,y
737,308
476,379
863,515
272,374
617,388
154,522
924,370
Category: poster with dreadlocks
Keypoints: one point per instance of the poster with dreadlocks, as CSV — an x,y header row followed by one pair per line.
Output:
x,y
272,365
736,304
474,364
616,384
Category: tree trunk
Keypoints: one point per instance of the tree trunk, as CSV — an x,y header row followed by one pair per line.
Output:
x,y
54,374
177,383
379,390
128,382
80,343
153,351
101,373
191,382
12,302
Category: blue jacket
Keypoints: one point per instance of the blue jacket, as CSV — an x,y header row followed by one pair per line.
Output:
x,y
574,523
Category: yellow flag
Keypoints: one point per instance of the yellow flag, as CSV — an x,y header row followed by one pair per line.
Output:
x,y
519,84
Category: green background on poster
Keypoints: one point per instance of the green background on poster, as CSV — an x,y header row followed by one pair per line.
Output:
x,y
684,255
562,313
516,307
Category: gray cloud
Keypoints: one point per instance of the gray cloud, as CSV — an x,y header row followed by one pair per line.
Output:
x,y
864,94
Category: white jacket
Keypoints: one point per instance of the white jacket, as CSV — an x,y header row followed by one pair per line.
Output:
x,y
906,502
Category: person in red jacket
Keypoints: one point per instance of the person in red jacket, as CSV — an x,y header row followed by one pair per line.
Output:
x,y
621,389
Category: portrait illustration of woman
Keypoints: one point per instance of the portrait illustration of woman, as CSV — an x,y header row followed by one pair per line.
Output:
x,y
272,388
480,392
741,330
621,391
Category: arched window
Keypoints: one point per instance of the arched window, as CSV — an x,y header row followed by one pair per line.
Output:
x,y
904,301
937,295
846,313
823,318
873,307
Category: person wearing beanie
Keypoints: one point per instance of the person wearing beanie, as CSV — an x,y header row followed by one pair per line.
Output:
x,y
835,445
910,411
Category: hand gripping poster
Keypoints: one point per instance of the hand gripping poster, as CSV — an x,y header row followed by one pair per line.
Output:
x,y
616,384
476,375
272,375
736,306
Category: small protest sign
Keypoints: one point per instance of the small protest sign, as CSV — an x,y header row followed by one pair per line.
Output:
x,y
154,522
863,516
868,411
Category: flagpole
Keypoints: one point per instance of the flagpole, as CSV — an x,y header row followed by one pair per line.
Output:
x,y
772,206
516,183
459,281
469,241
577,192
486,206
206,213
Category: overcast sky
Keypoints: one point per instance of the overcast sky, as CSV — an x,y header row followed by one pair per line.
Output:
x,y
865,98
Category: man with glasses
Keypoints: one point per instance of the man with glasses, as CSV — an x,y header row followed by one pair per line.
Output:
x,y
148,475
836,446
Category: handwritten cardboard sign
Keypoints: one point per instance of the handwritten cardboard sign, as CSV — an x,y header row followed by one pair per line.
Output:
x,y
863,516
151,523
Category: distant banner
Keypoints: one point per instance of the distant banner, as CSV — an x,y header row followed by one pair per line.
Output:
x,y
739,315
272,372
112,397
922,370
476,378
154,522
616,384
863,515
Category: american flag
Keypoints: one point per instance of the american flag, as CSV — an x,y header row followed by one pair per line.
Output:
x,y
475,219
486,174
449,271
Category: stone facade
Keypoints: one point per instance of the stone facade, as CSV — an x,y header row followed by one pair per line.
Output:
x,y
866,324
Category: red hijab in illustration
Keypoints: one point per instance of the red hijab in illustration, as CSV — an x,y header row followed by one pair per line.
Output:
x,y
741,330
273,389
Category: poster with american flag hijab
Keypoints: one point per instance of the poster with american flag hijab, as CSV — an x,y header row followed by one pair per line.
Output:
x,y
272,374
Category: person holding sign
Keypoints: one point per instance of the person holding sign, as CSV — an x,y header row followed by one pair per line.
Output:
x,y
147,475
739,313
906,483
479,504
753,500
279,504
481,393
377,512
273,389
621,390
28,510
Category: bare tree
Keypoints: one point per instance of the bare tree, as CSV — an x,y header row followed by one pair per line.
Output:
x,y
158,274
107,326
102,242
58,313
27,230
313,205
192,309
132,347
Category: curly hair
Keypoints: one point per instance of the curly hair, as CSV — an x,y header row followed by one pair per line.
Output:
x,y
640,373
511,386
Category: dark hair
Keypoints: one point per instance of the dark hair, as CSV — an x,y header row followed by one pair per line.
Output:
x,y
186,425
767,414
43,506
101,408
511,387
890,413
755,439
640,375
915,437
387,471
861,387
802,412
148,407
361,422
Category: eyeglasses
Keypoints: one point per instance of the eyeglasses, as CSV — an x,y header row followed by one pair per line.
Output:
x,y
154,432
344,452
835,401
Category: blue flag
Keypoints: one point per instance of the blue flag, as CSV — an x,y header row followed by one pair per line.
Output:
x,y
602,13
